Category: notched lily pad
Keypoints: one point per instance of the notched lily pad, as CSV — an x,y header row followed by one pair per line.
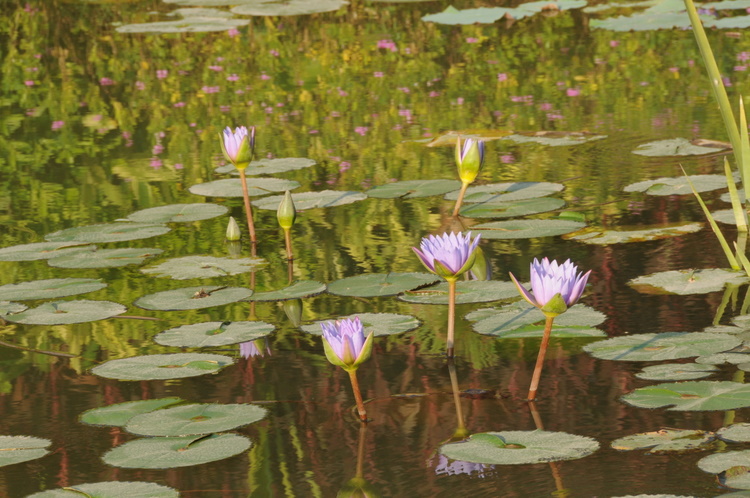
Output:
x,y
311,200
269,166
195,419
109,232
232,187
380,284
17,449
117,415
203,267
665,440
105,258
7,307
507,192
411,189
676,371
700,395
43,250
663,346
526,229
67,312
211,334
555,138
379,323
512,209
606,237
300,289
162,366
110,489
50,289
679,185
684,282
178,213
735,433
193,298
516,321
677,147
473,291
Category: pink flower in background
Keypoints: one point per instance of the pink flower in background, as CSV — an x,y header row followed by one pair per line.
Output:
x,y
29,83
362,130
313,132
225,108
139,85
507,158
275,53
216,68
472,40
179,104
572,92
233,32
434,94
545,106
162,73
342,93
178,166
344,165
155,163
674,69
613,43
56,125
233,77
388,45
378,74
740,68
726,81
404,89
210,89
264,76
106,81
460,101
743,56
502,77
158,149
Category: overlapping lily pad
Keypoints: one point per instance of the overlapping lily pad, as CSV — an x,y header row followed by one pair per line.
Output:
x,y
67,312
684,282
108,232
7,307
311,200
507,192
173,452
515,321
522,207
162,366
735,433
379,323
675,147
17,449
117,415
604,237
105,258
473,291
520,447
676,371
43,250
665,440
485,15
287,7
193,298
232,187
526,229
178,213
380,284
411,189
193,21
269,166
50,288
187,420
188,267
554,138
699,395
679,185
111,489
300,289
208,334
662,346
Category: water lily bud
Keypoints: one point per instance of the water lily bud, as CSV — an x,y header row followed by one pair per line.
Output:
x,y
286,213
238,145
554,287
345,343
469,158
293,310
233,229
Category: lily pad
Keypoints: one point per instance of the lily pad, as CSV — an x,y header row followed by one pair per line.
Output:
x,y
411,189
110,489
644,21
663,346
109,232
380,284
193,21
105,258
482,15
554,138
735,433
526,229
520,447
178,213
608,237
203,267
162,366
514,320
268,166
311,200
173,452
724,216
117,415
473,291
684,282
723,358
43,250
232,187
195,419
303,288
665,440
676,371
675,147
210,334
50,289
679,185
193,298
720,462
66,312
287,7
17,449
7,307
523,207
507,192
379,323
699,395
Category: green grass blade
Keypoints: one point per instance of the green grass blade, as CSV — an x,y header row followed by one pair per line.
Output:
x,y
740,217
744,166
743,259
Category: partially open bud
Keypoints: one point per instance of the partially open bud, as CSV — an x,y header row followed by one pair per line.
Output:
x,y
469,158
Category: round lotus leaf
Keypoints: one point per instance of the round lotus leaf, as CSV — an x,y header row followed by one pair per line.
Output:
x,y
110,489
699,395
162,366
553,138
311,200
676,371
6,308
110,232
663,346
50,289
268,166
17,449
515,321
105,258
172,452
43,250
482,15
735,433
189,267
665,440
607,237
721,462
209,334
287,7
674,147
192,298
526,229
473,291
685,282
722,358
232,187
523,207
195,419
380,284
679,185
724,216
303,288
379,323
646,21
520,447
507,192
66,312
178,213
117,415
411,189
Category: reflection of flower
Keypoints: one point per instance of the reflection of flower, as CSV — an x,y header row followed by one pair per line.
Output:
x,y
345,343
447,255
453,467
250,349
550,279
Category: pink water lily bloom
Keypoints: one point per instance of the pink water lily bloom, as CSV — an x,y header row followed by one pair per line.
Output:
x,y
549,279
238,145
448,255
345,342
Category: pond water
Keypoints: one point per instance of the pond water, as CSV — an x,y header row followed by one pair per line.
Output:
x,y
98,123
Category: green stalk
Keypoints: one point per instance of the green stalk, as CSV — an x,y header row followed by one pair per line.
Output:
x,y
740,217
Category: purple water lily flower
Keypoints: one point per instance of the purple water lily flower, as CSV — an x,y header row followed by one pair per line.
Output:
x,y
238,145
448,255
345,342
548,279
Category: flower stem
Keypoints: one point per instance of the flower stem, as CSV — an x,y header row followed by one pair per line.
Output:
x,y
540,358
288,240
451,316
248,213
460,199
358,395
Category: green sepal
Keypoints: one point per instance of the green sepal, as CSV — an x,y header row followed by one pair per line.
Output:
x,y
333,358
468,169
366,352
481,267
349,363
555,306
286,213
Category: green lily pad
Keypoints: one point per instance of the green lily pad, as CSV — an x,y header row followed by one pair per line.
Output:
x,y
311,200
644,21
473,291
268,166
411,189
195,419
173,452
17,449
735,433
50,289
303,288
526,229
66,312
674,147
380,284
554,138
43,250
663,346
523,207
379,323
110,489
514,320
203,267
287,7
520,447
104,258
178,213
192,298
720,462
684,282
162,366
507,192
7,307
232,187
676,371
679,185
109,232
117,415
665,440
722,358
607,237
699,395
725,216
193,21
482,15
209,334
733,22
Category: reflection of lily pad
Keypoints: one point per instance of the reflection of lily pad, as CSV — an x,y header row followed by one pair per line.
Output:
x,y
268,166
554,139
110,489
380,284
172,452
43,250
679,185
193,20
674,147
664,346
379,323
117,415
526,229
522,207
685,282
520,447
109,232
310,200
50,289
104,258
208,334
65,312
506,192
17,449
232,187
607,237
700,395
162,366
411,189
303,288
665,440
513,320
178,213
203,267
287,7
644,21
473,291
195,419
485,15
676,371
192,298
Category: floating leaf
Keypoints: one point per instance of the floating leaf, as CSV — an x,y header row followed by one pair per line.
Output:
x,y
511,209
287,7
311,200
173,452
194,20
684,282
676,371
675,147
232,187
178,213
110,489
104,258
43,250
268,166
735,433
380,284
379,323
607,237
209,334
722,358
663,346
644,21
7,307
520,447
17,449
512,321
162,366
720,462
195,419
507,192
665,440
411,189
50,289
303,288
679,185
203,267
66,312
192,298
110,232
526,229
473,291
555,139
453,16
692,396
117,415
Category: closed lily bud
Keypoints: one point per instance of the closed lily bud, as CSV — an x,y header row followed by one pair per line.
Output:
x,y
286,213
469,158
345,343
233,229
238,145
